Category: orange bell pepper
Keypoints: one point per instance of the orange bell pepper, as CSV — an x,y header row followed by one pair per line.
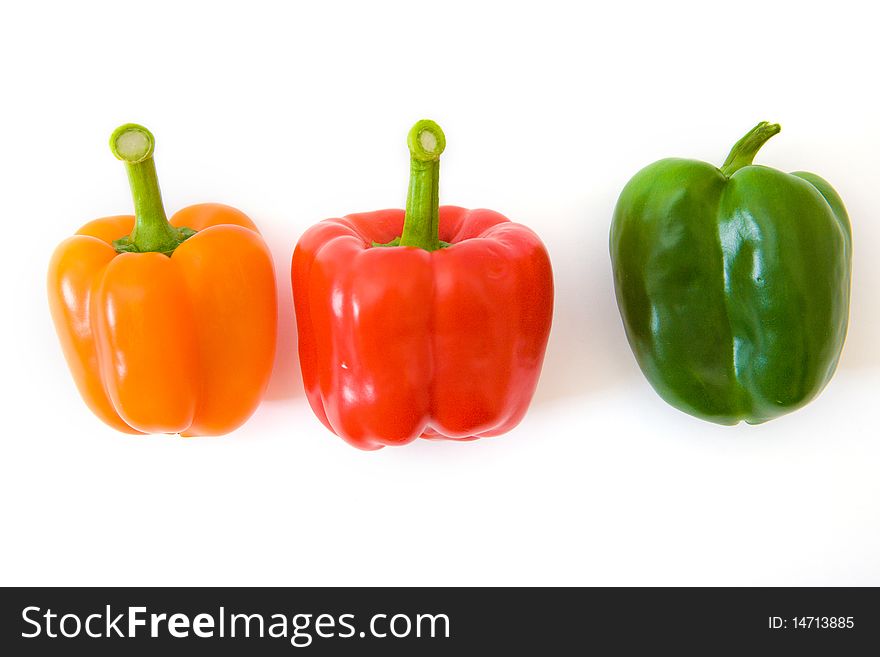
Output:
x,y
168,327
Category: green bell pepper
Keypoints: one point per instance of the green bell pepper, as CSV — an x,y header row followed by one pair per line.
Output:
x,y
733,283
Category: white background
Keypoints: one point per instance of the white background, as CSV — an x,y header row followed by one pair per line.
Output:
x,y
298,113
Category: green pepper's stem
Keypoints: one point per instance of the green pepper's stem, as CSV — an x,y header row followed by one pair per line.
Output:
x,y
421,226
133,144
744,151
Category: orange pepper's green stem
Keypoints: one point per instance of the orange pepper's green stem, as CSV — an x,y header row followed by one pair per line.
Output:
x,y
133,144
421,225
744,151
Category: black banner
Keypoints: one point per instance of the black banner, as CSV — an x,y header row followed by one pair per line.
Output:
x,y
436,621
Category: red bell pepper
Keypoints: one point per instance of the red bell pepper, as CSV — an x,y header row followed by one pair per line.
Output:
x,y
438,333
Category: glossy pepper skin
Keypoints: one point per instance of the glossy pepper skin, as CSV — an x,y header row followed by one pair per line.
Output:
x,y
733,283
178,337
398,342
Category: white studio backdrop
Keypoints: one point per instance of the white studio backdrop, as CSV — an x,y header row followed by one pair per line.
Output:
x,y
299,112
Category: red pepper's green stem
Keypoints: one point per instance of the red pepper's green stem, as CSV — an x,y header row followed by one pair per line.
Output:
x,y
133,144
744,151
421,225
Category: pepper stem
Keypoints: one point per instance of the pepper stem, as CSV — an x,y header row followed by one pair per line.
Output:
x,y
744,151
421,225
133,144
